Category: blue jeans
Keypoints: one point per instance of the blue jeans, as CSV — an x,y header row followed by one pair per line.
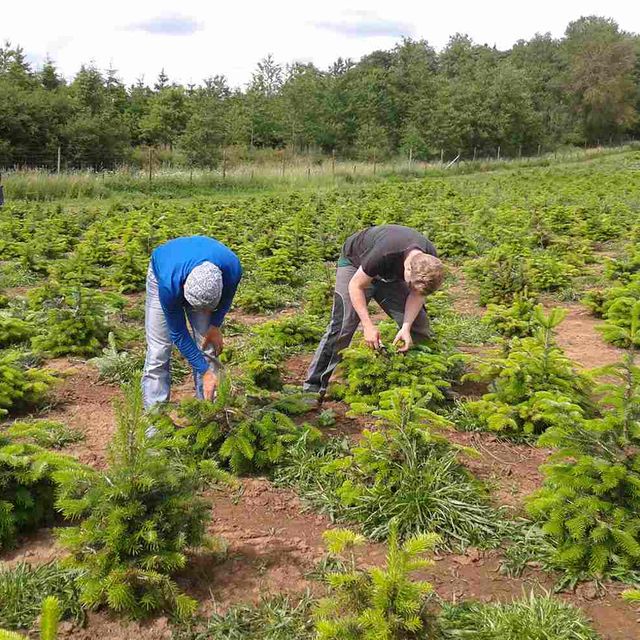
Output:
x,y
156,377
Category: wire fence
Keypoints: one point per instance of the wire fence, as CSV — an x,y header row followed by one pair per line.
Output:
x,y
44,182
282,160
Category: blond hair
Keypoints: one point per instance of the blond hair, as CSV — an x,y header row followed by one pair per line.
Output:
x,y
426,273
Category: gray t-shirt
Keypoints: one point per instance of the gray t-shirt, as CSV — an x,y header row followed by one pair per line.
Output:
x,y
381,250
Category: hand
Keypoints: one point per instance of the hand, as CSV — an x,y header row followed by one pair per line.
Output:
x,y
404,336
213,338
209,384
372,336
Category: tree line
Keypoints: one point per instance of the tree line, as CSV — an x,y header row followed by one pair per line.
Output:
x,y
580,89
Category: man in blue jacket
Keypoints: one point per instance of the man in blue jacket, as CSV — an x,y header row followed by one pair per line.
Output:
x,y
194,278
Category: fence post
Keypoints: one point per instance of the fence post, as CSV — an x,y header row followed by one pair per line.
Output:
x,y
333,162
441,156
150,165
59,159
475,149
498,155
410,156
539,148
224,164
374,163
520,151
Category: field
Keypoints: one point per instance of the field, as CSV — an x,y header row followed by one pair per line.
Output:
x,y
513,434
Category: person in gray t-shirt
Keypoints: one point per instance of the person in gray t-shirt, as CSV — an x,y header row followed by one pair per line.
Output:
x,y
397,267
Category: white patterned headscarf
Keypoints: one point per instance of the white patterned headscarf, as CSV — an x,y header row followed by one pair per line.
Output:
x,y
203,286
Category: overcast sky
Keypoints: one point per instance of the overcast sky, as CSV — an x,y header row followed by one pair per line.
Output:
x,y
193,40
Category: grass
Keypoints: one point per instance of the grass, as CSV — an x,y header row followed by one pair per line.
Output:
x,y
24,587
425,493
535,617
299,173
277,618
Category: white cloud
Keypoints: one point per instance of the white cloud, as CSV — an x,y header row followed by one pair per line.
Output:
x,y
365,25
207,38
167,25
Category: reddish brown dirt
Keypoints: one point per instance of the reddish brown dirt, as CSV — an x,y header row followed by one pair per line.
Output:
x,y
510,470
37,548
84,403
581,341
273,543
463,294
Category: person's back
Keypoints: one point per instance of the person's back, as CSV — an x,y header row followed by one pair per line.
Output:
x,y
380,250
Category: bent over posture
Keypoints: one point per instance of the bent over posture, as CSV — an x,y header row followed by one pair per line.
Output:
x,y
194,278
394,265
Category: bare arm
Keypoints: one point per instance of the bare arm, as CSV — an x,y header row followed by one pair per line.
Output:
x,y
412,307
357,292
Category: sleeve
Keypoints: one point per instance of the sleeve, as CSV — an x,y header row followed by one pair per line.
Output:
x,y
180,335
228,292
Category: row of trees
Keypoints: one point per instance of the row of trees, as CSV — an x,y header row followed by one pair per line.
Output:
x,y
578,89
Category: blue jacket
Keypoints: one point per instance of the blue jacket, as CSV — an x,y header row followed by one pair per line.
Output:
x,y
172,262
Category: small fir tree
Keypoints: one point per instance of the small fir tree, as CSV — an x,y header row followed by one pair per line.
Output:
x,y
533,387
139,519
385,603
27,486
590,500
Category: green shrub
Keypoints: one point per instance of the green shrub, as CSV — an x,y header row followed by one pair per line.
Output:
x,y
72,323
258,296
27,487
273,342
533,387
383,602
139,517
49,434
624,268
499,274
507,270
237,435
366,373
546,272
21,387
617,315
130,270
14,330
517,320
590,500
319,296
402,472
118,367
453,241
